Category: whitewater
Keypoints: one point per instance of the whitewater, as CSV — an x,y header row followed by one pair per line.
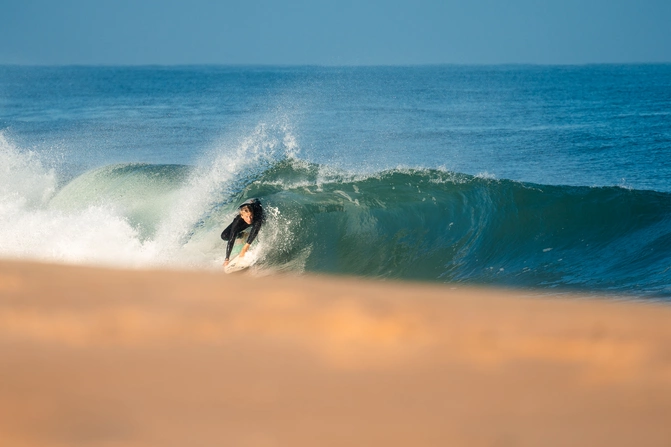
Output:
x,y
515,177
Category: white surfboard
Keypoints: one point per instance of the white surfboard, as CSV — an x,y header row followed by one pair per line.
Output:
x,y
236,263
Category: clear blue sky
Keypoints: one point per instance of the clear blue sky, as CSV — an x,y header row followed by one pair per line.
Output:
x,y
343,32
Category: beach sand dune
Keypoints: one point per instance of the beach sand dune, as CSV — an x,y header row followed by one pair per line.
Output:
x,y
100,357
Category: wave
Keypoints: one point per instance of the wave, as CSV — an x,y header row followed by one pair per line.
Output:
x,y
434,225
417,224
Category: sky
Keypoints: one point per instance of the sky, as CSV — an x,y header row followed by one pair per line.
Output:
x,y
343,32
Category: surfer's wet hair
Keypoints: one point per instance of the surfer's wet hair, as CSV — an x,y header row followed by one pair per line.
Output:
x,y
247,208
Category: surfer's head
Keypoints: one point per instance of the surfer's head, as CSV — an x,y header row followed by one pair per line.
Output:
x,y
247,214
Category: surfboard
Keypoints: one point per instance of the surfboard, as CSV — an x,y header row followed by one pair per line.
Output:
x,y
236,263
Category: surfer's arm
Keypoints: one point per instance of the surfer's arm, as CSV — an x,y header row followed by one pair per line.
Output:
x,y
234,230
229,248
256,226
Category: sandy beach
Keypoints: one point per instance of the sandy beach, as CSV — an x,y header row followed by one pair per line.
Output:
x,y
101,357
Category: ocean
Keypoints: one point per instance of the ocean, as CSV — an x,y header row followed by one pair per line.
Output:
x,y
555,179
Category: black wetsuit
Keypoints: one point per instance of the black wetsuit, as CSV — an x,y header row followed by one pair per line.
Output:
x,y
238,225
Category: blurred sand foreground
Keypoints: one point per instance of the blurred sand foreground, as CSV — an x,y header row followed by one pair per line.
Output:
x,y
96,357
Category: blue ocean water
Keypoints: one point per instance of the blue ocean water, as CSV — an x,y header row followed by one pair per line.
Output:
x,y
555,178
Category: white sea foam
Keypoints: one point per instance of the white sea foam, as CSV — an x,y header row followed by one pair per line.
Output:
x,y
30,229
100,232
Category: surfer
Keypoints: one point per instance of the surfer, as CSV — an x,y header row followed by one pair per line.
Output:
x,y
250,213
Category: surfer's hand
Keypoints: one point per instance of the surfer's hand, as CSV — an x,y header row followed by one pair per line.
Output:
x,y
243,251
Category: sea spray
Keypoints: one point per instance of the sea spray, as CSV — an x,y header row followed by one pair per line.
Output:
x,y
207,198
24,181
